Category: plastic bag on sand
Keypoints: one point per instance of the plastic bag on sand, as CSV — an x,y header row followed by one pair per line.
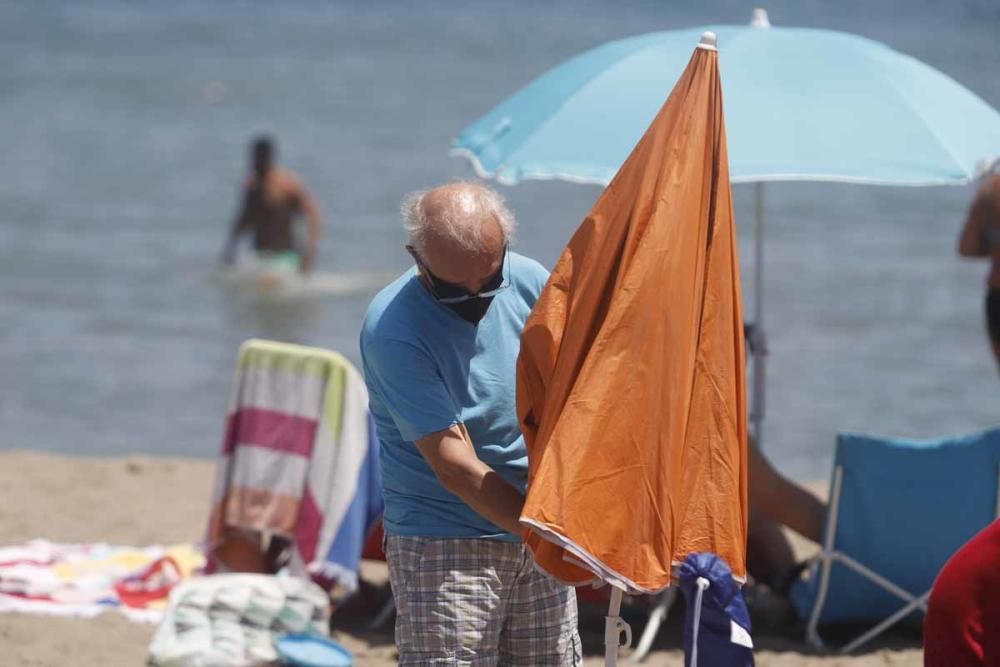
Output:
x,y
233,619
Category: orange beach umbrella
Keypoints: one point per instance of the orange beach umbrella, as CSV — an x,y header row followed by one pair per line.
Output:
x,y
630,381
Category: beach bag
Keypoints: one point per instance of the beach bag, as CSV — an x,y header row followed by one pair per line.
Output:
x,y
716,621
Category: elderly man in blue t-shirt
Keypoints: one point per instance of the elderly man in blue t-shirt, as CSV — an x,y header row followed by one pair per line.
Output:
x,y
439,347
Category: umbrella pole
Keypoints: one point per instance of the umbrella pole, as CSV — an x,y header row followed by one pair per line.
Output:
x,y
760,346
614,626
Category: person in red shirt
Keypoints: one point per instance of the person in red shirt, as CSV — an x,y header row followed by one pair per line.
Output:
x,y
962,625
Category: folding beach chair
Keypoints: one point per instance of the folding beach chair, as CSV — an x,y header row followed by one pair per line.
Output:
x,y
898,510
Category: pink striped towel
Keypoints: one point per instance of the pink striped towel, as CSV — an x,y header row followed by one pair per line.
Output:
x,y
299,459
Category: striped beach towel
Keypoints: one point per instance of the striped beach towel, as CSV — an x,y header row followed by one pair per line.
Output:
x,y
85,580
299,459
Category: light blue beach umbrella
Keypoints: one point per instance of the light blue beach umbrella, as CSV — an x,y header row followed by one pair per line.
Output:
x,y
800,105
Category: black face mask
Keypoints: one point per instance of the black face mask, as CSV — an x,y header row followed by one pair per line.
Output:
x,y
471,311
470,307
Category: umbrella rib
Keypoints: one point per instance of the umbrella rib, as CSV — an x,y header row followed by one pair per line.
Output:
x,y
473,157
918,112
551,116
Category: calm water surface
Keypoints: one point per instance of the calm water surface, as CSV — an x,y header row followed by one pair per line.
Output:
x,y
123,129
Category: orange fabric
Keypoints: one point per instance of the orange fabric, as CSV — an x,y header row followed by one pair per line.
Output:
x,y
630,382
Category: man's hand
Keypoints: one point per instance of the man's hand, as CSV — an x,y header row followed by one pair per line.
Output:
x,y
452,458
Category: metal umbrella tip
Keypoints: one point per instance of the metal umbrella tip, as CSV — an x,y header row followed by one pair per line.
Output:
x,y
708,41
759,18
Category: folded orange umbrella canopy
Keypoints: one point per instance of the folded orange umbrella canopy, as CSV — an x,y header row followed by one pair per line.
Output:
x,y
630,382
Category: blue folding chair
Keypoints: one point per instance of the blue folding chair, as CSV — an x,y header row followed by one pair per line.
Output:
x,y
898,510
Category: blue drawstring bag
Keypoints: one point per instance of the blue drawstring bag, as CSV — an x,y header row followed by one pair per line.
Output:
x,y
716,622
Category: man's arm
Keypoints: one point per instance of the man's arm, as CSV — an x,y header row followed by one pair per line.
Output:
x,y
314,227
239,226
972,242
460,471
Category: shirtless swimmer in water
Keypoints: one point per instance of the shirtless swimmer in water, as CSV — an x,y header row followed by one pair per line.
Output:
x,y
272,198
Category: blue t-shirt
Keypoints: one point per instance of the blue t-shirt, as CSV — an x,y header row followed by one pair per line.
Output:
x,y
428,369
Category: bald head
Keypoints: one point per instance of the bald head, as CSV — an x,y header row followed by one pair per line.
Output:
x,y
462,217
458,230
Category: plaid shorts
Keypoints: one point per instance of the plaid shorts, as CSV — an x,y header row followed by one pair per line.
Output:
x,y
478,603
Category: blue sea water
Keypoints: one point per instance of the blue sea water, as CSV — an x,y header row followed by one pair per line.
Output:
x,y
124,127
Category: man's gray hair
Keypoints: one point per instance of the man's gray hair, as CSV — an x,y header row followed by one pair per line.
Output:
x,y
461,221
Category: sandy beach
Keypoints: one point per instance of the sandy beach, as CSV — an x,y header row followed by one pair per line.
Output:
x,y
144,500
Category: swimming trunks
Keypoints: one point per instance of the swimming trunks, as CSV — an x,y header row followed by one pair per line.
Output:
x,y
278,261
